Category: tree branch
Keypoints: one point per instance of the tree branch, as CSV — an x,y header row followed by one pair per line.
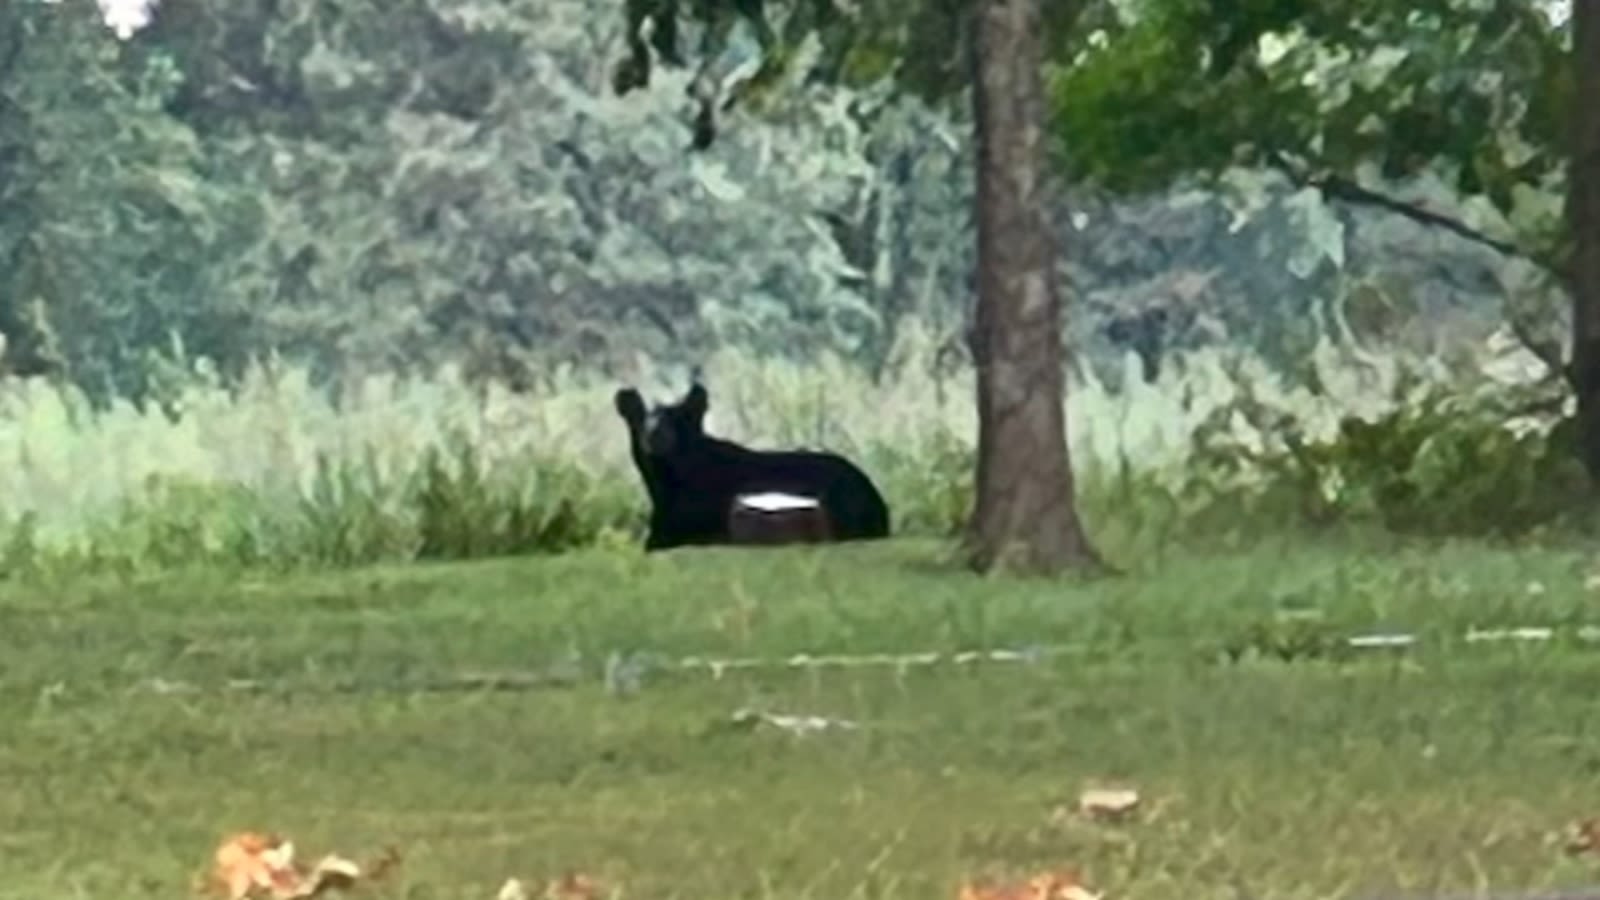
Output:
x,y
1337,187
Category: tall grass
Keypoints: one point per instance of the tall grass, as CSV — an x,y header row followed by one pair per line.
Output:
x,y
279,471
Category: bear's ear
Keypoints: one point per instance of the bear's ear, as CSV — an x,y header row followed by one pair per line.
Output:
x,y
630,406
696,401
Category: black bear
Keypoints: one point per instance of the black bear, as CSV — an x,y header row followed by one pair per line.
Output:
x,y
697,483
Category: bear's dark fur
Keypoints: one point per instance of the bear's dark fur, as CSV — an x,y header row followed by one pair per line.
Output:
x,y
694,479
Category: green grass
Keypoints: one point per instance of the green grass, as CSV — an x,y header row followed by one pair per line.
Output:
x,y
1450,767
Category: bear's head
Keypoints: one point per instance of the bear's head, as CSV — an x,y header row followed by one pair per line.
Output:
x,y
666,428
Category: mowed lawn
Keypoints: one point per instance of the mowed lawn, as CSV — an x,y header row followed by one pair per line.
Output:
x,y
125,754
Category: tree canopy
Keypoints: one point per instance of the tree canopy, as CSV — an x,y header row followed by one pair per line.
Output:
x,y
454,181
1151,92
1477,93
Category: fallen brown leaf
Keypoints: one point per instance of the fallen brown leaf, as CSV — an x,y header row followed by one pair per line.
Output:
x,y
251,863
1108,803
330,873
1584,837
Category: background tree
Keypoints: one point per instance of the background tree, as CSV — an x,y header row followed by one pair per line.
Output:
x,y
1024,514
109,223
1583,212
1368,103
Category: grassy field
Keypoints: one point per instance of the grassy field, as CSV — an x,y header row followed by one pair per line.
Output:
x,y
125,754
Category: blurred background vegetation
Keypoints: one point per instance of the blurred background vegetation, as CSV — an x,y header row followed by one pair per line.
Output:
x,y
321,282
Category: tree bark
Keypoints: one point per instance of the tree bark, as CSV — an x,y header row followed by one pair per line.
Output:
x,y
1025,517
1583,217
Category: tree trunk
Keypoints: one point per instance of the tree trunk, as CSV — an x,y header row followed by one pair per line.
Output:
x,y
1025,517
1583,216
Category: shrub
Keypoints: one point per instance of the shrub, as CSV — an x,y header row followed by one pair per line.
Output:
x,y
1441,464
465,511
929,484
451,506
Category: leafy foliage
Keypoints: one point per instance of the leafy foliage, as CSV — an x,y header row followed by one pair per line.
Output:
x,y
933,480
109,221
449,506
1477,92
466,512
539,223
1288,636
1437,465
450,182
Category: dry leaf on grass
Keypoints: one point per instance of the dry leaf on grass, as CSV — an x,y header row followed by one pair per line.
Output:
x,y
1098,805
251,863
330,873
1056,884
512,890
1108,803
1584,837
